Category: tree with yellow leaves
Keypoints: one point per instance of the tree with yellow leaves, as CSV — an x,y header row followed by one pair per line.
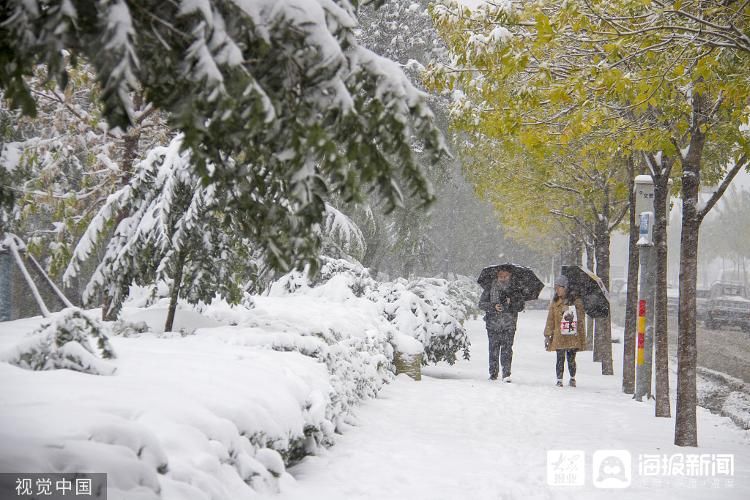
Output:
x,y
550,74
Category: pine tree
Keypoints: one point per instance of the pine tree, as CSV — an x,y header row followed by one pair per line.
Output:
x,y
70,162
342,238
278,105
169,228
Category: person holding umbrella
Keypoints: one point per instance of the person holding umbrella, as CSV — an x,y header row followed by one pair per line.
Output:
x,y
565,331
501,302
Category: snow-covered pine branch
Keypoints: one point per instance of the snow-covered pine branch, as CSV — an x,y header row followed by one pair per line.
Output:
x,y
168,227
342,235
277,101
66,162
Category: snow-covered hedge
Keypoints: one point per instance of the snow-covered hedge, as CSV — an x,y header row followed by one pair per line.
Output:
x,y
220,409
465,292
422,308
329,324
430,310
182,418
217,413
64,342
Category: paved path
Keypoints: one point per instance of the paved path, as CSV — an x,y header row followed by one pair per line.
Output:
x,y
456,435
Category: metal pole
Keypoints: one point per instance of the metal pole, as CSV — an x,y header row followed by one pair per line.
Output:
x,y
6,290
646,296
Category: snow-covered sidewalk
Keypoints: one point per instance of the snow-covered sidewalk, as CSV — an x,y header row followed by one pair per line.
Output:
x,y
456,435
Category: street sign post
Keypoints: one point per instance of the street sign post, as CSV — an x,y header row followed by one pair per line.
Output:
x,y
645,334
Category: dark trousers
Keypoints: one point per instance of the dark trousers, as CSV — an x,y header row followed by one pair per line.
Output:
x,y
561,355
501,351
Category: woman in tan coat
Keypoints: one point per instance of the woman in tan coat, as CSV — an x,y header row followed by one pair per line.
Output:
x,y
565,332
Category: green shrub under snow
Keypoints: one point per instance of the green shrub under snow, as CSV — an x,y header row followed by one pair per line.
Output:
x,y
69,340
431,310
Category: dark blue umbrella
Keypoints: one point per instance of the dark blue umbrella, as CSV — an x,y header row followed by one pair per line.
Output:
x,y
522,279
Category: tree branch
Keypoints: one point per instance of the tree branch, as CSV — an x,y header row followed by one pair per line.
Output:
x,y
619,217
738,165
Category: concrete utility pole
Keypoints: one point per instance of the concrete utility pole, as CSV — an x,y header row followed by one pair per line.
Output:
x,y
649,281
646,296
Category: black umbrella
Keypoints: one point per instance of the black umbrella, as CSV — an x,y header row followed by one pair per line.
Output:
x,y
590,288
522,279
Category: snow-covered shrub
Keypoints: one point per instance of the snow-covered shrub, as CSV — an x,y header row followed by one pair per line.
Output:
x,y
125,328
431,311
465,291
358,278
64,343
289,283
327,318
359,367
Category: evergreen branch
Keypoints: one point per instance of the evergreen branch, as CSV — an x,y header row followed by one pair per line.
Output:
x,y
59,99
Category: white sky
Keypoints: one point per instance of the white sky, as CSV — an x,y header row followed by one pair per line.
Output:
x,y
742,180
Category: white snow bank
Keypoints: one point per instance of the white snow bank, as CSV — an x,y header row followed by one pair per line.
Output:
x,y
186,319
221,412
217,414
182,417
408,345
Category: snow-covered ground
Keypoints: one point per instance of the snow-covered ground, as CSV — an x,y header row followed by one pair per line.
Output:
x,y
456,435
217,414
220,409
211,415
182,418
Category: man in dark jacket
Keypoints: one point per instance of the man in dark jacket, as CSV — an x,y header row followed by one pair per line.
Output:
x,y
501,304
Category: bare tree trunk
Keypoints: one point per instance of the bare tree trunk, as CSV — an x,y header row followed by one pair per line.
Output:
x,y
686,432
596,345
590,321
686,425
603,330
661,332
631,301
175,293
